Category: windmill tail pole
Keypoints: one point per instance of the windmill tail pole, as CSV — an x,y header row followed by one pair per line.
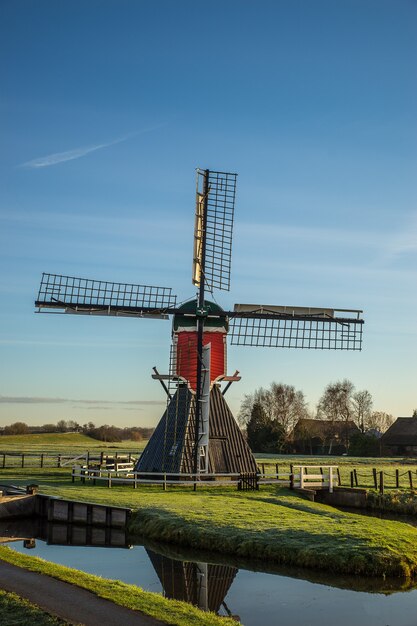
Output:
x,y
200,326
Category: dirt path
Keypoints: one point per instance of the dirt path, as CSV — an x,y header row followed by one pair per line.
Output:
x,y
69,602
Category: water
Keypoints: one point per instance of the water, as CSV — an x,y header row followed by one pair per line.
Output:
x,y
269,597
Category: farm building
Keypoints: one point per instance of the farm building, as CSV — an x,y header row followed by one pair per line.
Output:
x,y
401,438
313,436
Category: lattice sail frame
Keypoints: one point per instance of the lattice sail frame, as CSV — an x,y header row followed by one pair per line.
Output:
x,y
313,332
92,296
220,199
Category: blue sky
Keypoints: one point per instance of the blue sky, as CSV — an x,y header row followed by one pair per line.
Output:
x,y
107,108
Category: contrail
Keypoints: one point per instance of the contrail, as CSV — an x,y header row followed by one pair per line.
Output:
x,y
76,153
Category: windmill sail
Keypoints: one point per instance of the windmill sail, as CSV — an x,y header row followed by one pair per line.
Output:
x,y
98,297
296,327
214,218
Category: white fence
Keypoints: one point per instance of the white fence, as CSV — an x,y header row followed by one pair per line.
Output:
x,y
301,477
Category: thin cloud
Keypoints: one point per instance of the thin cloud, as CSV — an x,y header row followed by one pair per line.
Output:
x,y
98,403
77,153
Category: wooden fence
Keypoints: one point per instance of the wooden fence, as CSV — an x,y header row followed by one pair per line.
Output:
x,y
300,477
36,459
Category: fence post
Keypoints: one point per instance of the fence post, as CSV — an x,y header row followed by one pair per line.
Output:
x,y
351,480
87,457
397,478
165,482
381,482
410,478
109,479
302,476
375,477
59,460
330,479
356,477
263,469
23,460
339,480
291,476
4,461
135,480
42,459
101,457
276,469
73,475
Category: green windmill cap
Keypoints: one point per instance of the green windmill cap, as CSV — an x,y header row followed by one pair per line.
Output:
x,y
187,316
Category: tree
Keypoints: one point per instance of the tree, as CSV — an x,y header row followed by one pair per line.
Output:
x,y
264,433
336,404
18,428
414,413
379,421
362,407
61,426
281,403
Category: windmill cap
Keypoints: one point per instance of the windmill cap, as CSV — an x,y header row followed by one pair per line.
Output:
x,y
187,316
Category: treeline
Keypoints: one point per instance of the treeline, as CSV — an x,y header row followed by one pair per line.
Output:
x,y
103,433
277,420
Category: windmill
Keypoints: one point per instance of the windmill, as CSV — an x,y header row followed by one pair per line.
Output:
x,y
198,433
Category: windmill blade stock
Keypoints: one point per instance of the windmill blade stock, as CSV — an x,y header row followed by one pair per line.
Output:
x,y
215,205
68,294
296,327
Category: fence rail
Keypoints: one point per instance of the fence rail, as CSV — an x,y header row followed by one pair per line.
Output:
x,y
10,460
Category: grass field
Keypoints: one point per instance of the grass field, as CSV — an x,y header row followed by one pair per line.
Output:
x,y
272,524
16,611
63,443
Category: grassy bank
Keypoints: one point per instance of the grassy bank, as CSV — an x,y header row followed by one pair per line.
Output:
x,y
16,611
173,612
63,443
273,525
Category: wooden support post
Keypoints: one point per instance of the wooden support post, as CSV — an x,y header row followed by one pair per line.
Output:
x,y
4,461
263,469
330,480
381,482
42,459
351,480
135,480
23,460
109,480
276,469
356,477
302,476
397,478
101,457
59,460
410,478
165,483
291,476
87,457
339,480
375,477
321,471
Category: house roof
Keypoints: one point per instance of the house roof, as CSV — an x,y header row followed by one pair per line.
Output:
x,y
402,432
320,428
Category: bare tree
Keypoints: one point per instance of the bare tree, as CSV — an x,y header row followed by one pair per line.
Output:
x,y
280,403
379,421
362,407
336,403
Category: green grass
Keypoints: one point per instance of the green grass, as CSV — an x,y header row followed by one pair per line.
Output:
x,y
64,443
272,524
173,612
15,611
346,464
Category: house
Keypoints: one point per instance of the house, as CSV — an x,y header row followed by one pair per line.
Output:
x,y
401,438
314,436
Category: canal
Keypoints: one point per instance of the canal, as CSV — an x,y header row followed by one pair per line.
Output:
x,y
256,594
